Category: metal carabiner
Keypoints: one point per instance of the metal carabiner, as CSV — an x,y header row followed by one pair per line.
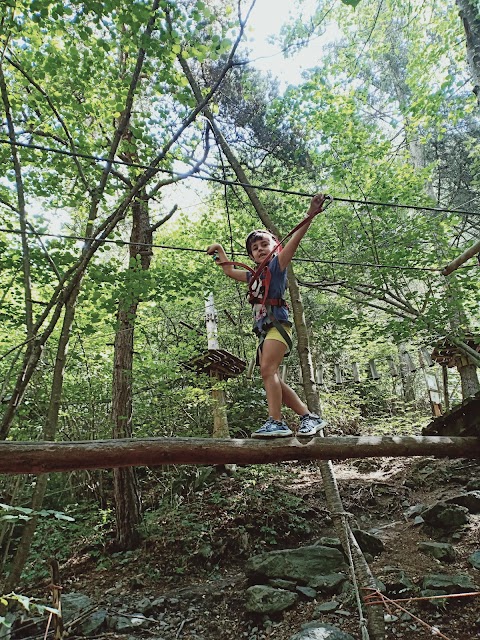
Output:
x,y
328,198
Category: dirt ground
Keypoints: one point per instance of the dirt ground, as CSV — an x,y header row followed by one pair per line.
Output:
x,y
207,601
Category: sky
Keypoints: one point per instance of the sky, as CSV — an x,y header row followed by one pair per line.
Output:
x,y
266,20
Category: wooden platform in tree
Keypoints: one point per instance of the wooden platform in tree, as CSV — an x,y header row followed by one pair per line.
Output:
x,y
463,420
217,361
44,457
446,353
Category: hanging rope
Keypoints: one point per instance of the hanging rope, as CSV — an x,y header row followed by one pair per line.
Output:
x,y
343,515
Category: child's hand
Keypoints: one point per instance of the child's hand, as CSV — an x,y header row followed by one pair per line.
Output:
x,y
316,204
213,248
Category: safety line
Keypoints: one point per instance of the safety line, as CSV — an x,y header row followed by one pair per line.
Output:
x,y
193,250
235,183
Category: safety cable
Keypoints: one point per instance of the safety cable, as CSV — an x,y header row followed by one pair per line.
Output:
x,y
236,183
193,250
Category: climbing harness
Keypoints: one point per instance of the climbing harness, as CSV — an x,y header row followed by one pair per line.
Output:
x,y
262,275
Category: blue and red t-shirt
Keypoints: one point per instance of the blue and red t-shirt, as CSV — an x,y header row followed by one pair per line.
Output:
x,y
278,285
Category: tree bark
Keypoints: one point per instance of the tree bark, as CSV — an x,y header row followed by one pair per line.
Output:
x,y
125,485
469,380
43,457
469,12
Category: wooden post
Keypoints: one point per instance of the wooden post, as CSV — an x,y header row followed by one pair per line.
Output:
x,y
56,599
220,420
446,394
373,370
338,374
355,372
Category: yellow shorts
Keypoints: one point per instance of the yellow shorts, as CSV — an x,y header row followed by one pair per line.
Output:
x,y
274,334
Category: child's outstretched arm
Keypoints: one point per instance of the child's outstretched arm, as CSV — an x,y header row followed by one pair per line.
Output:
x,y
228,269
287,253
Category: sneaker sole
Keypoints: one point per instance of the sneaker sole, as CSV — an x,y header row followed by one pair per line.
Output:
x,y
272,435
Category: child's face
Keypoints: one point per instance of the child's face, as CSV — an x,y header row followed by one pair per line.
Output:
x,y
261,247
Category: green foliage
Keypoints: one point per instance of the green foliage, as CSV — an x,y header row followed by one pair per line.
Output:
x,y
16,514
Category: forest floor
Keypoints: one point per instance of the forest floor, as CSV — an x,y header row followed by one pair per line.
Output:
x,y
194,550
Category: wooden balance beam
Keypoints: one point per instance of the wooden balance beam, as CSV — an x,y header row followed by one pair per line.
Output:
x,y
45,457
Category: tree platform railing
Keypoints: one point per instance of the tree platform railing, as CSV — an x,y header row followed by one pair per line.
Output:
x,y
46,457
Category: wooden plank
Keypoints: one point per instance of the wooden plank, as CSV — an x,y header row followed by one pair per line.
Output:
x,y
43,457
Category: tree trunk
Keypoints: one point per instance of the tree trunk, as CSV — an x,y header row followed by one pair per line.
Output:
x,y
469,12
42,457
469,380
126,491
27,284
49,433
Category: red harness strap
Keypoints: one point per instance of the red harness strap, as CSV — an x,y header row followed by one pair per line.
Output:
x,y
263,266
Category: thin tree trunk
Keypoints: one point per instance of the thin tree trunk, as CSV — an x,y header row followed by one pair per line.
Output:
x,y
27,284
126,492
469,380
469,11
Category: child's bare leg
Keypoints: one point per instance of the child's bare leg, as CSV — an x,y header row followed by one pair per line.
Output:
x,y
270,359
291,400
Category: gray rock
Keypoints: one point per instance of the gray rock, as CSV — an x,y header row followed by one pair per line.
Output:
x,y
319,631
470,501
447,517
308,592
368,542
414,510
73,604
439,550
327,541
302,564
126,623
474,559
447,583
93,623
278,583
325,607
328,584
263,599
395,581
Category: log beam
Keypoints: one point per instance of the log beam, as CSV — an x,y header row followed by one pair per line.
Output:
x,y
46,457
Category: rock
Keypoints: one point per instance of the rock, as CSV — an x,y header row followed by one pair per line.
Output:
x,y
396,582
446,517
325,607
327,541
73,604
439,550
308,592
447,584
328,584
368,542
319,631
93,623
474,559
278,583
473,484
263,599
123,623
304,564
414,510
470,501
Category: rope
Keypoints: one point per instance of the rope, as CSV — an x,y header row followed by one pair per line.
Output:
x,y
235,183
346,529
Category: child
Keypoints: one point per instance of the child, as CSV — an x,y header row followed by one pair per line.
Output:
x,y
271,322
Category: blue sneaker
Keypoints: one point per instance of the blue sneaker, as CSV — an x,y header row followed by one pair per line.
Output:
x,y
310,424
273,429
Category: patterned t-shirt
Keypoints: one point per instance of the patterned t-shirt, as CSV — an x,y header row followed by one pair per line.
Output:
x,y
278,284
